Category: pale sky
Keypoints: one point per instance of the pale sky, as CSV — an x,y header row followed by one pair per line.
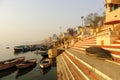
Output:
x,y
33,20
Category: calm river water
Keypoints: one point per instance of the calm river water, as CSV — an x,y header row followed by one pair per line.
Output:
x,y
32,73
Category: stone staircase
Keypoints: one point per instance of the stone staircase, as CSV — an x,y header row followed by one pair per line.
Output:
x,y
113,48
117,41
70,68
82,45
73,64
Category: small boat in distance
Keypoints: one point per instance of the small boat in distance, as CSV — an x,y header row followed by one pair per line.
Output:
x,y
7,47
40,52
45,63
26,64
10,63
44,55
21,48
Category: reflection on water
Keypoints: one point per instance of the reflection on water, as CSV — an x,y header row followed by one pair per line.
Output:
x,y
7,72
24,71
53,62
17,53
32,73
45,71
20,52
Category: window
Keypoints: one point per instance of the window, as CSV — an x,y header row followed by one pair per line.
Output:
x,y
114,6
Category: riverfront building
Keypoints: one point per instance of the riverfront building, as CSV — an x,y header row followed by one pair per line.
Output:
x,y
112,18
110,31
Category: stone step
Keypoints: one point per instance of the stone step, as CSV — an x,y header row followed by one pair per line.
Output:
x,y
83,68
63,70
115,54
116,42
86,64
73,69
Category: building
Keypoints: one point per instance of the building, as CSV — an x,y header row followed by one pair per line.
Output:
x,y
112,14
111,29
64,35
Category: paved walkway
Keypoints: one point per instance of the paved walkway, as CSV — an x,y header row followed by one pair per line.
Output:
x,y
112,70
74,65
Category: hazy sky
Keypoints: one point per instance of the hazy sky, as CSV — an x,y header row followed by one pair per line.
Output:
x,y
33,20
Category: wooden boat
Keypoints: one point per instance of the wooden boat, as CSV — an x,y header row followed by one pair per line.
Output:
x,y
7,47
44,55
26,64
18,48
24,71
21,48
40,51
10,63
45,63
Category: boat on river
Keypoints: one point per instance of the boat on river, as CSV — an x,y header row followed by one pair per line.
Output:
x,y
26,64
21,48
10,63
24,71
45,63
7,47
40,51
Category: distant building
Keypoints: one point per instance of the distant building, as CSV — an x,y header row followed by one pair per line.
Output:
x,y
55,38
76,30
64,34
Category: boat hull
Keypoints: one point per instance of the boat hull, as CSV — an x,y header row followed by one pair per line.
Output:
x,y
10,63
45,63
26,64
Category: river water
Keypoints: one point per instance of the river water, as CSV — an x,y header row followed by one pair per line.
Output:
x,y
32,73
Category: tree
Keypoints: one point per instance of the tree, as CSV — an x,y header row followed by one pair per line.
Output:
x,y
70,31
93,19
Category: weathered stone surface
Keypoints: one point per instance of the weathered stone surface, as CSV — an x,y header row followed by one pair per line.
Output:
x,y
98,52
